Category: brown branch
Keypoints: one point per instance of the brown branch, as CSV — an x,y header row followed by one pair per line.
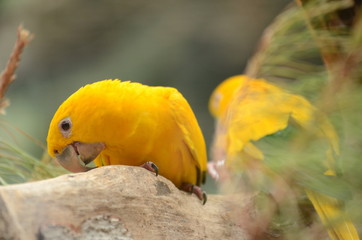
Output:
x,y
116,202
8,75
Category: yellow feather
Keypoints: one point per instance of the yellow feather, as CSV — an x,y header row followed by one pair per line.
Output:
x,y
137,123
255,109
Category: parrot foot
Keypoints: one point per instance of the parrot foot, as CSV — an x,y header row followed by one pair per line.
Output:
x,y
150,166
191,188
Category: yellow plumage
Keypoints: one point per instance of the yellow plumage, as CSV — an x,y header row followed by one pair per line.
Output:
x,y
249,110
136,123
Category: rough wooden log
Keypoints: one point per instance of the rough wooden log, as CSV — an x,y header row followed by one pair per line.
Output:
x,y
115,202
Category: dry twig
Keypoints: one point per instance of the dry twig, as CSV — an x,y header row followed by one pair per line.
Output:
x,y
8,75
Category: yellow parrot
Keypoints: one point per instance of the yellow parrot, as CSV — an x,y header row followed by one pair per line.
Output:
x,y
249,111
122,122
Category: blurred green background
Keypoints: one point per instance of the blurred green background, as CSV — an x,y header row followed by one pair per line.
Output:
x,y
191,45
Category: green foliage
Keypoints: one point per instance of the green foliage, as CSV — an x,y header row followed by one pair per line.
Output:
x,y
288,55
18,166
314,51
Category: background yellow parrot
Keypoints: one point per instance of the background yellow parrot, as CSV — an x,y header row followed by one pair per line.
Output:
x,y
252,116
114,122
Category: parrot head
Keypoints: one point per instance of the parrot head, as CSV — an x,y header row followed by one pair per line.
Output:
x,y
75,132
223,93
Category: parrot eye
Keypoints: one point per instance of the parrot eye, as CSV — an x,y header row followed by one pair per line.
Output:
x,y
65,126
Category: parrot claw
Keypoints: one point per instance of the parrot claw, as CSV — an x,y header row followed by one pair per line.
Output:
x,y
150,166
91,168
190,188
204,196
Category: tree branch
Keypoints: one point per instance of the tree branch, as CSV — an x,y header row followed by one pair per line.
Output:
x,y
116,202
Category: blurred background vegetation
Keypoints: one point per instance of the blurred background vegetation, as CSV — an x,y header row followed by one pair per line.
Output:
x,y
190,45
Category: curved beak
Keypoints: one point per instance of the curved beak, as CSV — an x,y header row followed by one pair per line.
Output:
x,y
77,155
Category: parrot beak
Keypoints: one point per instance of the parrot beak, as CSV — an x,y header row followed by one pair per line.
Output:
x,y
77,155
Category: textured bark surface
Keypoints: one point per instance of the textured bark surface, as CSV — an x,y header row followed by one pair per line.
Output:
x,y
116,202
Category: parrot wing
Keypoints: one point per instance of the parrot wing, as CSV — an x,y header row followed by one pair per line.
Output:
x,y
192,135
260,110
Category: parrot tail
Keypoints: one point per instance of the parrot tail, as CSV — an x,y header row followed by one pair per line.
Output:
x,y
329,210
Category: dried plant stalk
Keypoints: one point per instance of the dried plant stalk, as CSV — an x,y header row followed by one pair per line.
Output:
x,y
8,75
338,59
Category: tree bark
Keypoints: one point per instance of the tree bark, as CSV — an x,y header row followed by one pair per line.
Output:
x,y
116,202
